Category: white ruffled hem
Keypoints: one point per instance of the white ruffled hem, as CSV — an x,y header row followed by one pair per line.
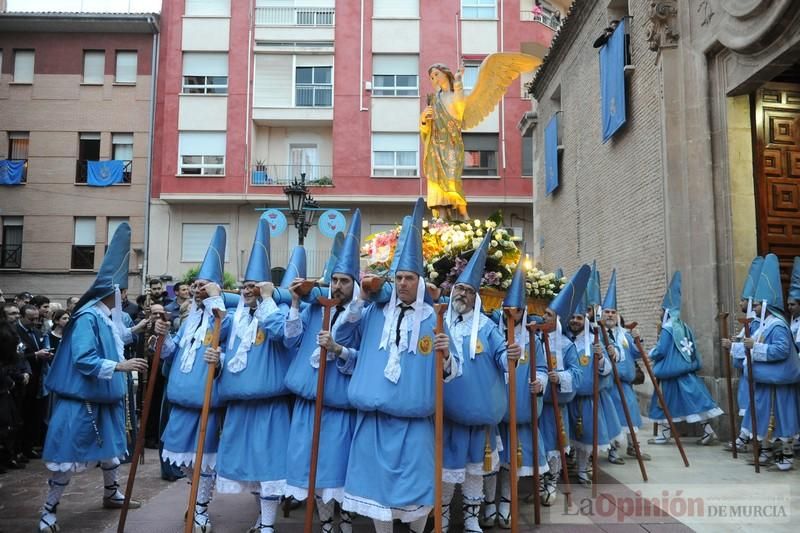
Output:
x,y
265,488
588,448
698,417
376,511
300,493
453,476
187,459
627,431
476,469
77,467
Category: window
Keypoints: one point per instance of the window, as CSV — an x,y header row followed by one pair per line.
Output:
x,y
122,150
94,65
390,9
23,66
83,244
88,150
313,87
527,153
470,77
304,160
112,223
394,154
208,8
395,75
202,153
478,9
205,73
127,61
11,245
195,240
480,154
18,149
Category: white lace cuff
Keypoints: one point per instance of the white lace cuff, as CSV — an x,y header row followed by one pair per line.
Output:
x,y
565,381
354,311
541,377
107,368
293,327
214,302
759,351
737,350
265,309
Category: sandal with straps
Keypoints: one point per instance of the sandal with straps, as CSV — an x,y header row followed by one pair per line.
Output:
x,y
262,528
345,518
471,512
326,526
504,521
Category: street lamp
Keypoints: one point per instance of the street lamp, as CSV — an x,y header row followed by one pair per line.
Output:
x,y
302,206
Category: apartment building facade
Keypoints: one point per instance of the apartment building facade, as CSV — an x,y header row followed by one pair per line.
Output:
x,y
252,97
75,88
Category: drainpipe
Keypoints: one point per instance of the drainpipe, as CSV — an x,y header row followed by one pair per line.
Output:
x,y
150,142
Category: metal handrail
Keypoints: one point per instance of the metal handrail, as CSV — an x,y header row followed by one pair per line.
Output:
x,y
295,16
316,175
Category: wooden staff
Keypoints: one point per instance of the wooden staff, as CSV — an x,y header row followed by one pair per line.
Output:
x,y
537,504
624,403
201,435
752,393
595,409
438,377
559,421
726,360
139,448
512,421
659,394
326,304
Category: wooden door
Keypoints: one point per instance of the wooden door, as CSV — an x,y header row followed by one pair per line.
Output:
x,y
777,168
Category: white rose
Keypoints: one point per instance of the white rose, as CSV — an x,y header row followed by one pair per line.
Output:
x,y
434,275
498,254
479,233
493,243
477,223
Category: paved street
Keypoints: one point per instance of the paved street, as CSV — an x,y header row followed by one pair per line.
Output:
x,y
712,472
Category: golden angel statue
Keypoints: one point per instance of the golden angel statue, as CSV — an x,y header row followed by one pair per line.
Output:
x,y
449,112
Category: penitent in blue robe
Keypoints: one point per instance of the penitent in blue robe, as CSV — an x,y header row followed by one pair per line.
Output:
x,y
737,355
252,448
566,364
390,470
186,391
338,417
623,343
89,394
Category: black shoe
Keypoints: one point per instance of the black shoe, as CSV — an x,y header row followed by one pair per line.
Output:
x,y
33,454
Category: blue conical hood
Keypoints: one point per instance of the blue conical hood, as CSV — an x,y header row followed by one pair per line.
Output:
x,y
516,295
348,262
113,270
258,267
296,268
473,272
768,287
593,296
794,283
336,251
559,273
672,298
213,264
398,250
569,298
411,259
610,301
752,276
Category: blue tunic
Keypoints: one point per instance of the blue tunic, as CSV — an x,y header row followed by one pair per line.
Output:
x,y
743,392
627,373
570,375
776,372
83,378
686,395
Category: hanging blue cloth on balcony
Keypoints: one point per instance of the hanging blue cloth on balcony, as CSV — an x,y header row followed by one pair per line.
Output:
x,y
612,82
104,173
11,171
551,155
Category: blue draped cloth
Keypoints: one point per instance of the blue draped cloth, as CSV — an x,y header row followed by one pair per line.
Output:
x,y
612,82
104,173
11,171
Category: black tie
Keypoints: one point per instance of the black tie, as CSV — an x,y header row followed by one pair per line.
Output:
x,y
611,336
460,318
403,310
339,309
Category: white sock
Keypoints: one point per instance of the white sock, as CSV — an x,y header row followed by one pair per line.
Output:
x,y
110,477
269,508
472,489
345,522
418,525
382,527
490,488
325,511
505,494
583,460
58,483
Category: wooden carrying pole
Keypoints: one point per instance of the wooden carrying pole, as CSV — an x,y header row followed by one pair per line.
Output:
x,y
595,410
726,361
537,504
139,448
624,403
752,393
661,401
326,304
438,377
512,422
201,434
561,434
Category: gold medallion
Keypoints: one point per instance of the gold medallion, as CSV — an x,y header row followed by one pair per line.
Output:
x,y
584,360
207,338
425,345
553,362
478,347
260,336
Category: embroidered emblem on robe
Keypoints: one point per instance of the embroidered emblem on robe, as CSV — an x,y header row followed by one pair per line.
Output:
x,y
425,345
584,360
260,337
207,338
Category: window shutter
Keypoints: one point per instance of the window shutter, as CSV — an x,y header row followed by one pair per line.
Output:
x,y
388,64
205,64
85,231
273,81
195,240
126,67
23,66
94,63
201,143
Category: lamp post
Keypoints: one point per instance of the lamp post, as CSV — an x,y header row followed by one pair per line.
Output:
x,y
302,206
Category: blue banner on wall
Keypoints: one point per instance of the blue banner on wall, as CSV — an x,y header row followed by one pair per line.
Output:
x,y
104,173
551,177
612,82
11,171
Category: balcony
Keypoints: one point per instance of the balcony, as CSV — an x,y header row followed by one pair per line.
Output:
x,y
551,19
316,175
10,255
81,172
295,16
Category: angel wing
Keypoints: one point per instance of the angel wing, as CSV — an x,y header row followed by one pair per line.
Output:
x,y
494,76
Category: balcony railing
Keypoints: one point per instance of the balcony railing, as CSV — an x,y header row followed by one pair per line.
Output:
x,y
307,95
316,175
295,16
81,172
10,255
548,19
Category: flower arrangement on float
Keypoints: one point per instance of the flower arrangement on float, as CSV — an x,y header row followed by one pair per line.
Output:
x,y
447,248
